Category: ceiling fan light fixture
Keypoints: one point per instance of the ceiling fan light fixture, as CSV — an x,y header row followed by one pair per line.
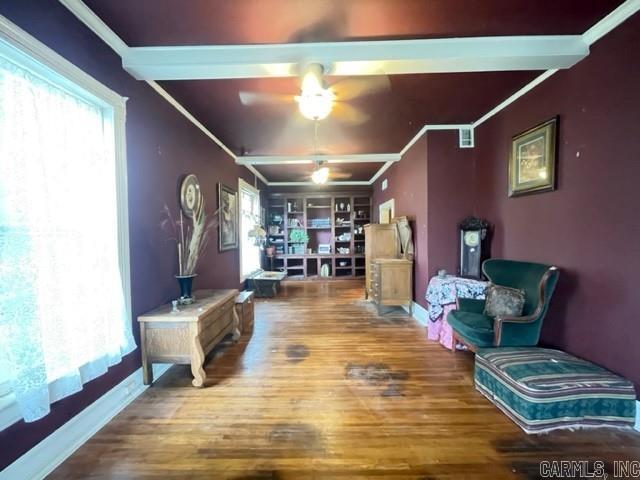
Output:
x,y
320,176
315,105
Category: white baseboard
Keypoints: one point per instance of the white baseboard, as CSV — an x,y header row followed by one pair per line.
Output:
x,y
419,313
42,459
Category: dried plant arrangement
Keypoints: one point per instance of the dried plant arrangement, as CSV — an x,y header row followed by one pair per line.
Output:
x,y
191,236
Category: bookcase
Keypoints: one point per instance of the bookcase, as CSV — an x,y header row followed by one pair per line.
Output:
x,y
332,225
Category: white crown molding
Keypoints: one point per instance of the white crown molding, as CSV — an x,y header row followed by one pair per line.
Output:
x,y
306,159
611,21
390,57
96,25
42,459
605,25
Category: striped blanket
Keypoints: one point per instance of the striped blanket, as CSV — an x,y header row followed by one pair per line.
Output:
x,y
542,389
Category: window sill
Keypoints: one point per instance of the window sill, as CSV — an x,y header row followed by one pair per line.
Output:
x,y
9,411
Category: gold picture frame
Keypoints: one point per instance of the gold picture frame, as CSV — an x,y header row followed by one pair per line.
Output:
x,y
532,162
228,218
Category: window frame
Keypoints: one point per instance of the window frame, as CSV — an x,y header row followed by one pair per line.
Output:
x,y
41,60
243,185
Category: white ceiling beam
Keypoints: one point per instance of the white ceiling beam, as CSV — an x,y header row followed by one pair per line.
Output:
x,y
472,54
305,159
311,184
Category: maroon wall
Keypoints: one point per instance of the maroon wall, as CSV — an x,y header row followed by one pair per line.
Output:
x,y
451,194
161,146
407,185
433,186
590,225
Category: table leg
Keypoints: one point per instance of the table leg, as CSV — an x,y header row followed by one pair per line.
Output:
x,y
236,326
147,367
197,360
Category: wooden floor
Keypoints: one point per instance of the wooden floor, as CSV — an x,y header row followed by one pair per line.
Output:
x,y
326,388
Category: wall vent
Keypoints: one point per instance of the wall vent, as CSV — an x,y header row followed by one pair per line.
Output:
x,y
466,137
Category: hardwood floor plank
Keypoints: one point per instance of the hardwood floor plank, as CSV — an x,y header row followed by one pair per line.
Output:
x,y
327,389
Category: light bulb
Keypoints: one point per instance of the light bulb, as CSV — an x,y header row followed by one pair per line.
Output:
x,y
315,105
320,176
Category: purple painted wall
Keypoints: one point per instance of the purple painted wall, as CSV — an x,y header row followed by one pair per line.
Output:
x,y
161,146
407,185
433,186
590,225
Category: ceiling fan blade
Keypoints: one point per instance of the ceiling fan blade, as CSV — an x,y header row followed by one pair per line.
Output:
x,y
339,175
350,88
345,113
258,98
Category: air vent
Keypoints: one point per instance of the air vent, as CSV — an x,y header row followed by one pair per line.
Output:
x,y
466,137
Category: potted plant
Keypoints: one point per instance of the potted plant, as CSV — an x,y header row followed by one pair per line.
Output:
x,y
269,249
298,236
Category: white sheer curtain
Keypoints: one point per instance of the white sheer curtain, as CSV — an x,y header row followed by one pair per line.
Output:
x,y
63,319
249,218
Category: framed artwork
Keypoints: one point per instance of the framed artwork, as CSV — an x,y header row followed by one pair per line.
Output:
x,y
228,218
532,163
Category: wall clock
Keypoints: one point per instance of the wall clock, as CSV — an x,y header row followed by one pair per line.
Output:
x,y
190,196
472,235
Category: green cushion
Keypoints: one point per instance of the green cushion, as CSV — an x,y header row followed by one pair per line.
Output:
x,y
542,389
473,328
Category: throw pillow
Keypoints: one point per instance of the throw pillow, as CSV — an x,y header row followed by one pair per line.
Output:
x,y
503,301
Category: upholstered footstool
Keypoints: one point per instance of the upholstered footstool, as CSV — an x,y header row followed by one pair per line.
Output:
x,y
542,390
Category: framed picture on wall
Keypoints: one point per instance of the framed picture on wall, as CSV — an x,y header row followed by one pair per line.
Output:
x,y
228,218
532,163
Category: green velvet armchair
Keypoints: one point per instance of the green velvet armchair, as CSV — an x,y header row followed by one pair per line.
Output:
x,y
474,329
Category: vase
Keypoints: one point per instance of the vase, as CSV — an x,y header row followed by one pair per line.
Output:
x,y
186,284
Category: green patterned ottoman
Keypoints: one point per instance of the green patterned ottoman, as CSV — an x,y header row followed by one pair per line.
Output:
x,y
541,389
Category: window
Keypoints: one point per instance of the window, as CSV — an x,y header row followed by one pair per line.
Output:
x,y
64,293
249,223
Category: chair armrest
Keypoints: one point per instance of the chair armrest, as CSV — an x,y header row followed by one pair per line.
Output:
x,y
470,305
499,321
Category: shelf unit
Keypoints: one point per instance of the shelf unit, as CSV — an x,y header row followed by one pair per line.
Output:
x,y
333,219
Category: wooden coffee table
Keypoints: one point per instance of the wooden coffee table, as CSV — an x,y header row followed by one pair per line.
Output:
x,y
267,284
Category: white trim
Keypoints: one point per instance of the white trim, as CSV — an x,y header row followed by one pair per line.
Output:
x,y
611,21
597,31
42,459
382,169
96,25
33,48
306,159
178,106
420,313
504,104
301,184
370,57
605,25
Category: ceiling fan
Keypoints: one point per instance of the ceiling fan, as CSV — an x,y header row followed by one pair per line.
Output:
x,y
317,99
322,173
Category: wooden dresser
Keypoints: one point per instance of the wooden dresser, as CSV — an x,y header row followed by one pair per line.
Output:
x,y
388,268
381,241
391,282
187,336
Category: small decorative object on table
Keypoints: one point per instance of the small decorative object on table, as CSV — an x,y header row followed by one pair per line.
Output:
x,y
191,240
442,293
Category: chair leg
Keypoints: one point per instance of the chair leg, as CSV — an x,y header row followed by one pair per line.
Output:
x,y
454,342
